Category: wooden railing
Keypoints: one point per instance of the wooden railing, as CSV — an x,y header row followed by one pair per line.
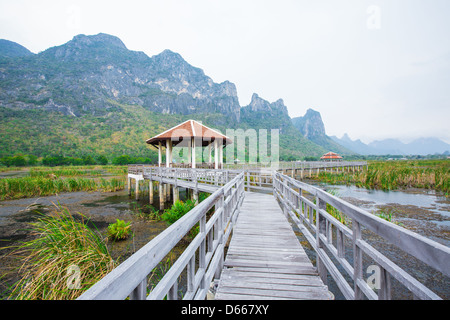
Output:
x,y
283,165
297,165
212,176
317,224
129,279
256,179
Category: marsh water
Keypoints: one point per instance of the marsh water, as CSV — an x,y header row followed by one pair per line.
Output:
x,y
98,208
424,212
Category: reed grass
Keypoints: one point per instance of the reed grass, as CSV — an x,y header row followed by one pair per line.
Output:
x,y
16,188
391,175
73,171
64,259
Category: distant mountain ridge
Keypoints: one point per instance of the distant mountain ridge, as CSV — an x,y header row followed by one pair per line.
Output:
x,y
421,146
95,78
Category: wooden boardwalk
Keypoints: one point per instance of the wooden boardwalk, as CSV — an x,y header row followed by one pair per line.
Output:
x,y
265,259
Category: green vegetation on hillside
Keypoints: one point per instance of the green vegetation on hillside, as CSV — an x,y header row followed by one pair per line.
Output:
x,y
58,139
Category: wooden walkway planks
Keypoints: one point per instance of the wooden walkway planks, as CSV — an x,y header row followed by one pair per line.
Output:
x,y
265,259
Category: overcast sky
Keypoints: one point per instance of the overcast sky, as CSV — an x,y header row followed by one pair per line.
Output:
x,y
373,69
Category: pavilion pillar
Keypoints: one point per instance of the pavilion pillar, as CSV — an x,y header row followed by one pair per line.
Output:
x,y
159,154
209,152
221,154
168,153
129,185
189,152
216,154
193,151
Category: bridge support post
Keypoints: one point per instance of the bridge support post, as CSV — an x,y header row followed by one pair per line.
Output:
x,y
195,197
136,192
161,196
129,185
168,188
176,195
150,191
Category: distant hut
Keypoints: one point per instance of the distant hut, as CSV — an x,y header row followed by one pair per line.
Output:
x,y
331,156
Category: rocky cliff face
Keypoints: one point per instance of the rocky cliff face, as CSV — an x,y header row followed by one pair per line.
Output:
x,y
311,127
80,77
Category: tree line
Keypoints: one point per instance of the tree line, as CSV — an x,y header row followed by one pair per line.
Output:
x,y
22,160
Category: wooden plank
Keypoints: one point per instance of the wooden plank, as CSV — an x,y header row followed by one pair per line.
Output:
x,y
294,271
291,279
238,296
272,285
265,259
299,295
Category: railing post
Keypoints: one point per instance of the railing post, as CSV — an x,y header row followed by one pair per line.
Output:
x,y
385,285
320,228
220,234
357,259
202,252
140,292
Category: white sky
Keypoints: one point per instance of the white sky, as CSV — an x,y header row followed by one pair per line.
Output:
x,y
373,69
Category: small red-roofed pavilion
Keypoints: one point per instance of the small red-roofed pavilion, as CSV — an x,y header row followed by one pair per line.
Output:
x,y
190,134
331,156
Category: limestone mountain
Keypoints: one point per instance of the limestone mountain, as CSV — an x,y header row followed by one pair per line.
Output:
x,y
312,128
79,77
76,99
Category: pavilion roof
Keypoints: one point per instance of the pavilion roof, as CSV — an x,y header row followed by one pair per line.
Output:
x,y
331,155
189,129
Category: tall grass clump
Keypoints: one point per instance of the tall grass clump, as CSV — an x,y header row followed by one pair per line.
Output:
x,y
120,230
64,259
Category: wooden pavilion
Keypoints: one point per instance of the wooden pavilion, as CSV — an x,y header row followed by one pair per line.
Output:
x,y
331,156
191,135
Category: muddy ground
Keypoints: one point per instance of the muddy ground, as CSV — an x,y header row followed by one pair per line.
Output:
x,y
101,209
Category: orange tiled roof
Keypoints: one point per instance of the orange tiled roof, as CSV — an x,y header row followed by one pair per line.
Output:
x,y
188,129
331,155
